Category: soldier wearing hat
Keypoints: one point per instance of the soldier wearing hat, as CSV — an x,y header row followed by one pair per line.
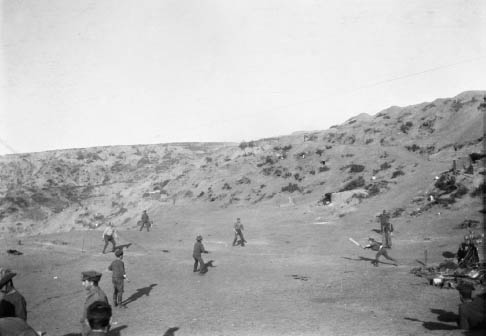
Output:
x,y
109,235
90,280
10,293
196,254
118,276
386,228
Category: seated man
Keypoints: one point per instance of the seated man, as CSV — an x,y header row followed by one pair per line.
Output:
x,y
99,318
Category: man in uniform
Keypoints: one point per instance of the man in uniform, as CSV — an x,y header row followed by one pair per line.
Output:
x,y
90,280
196,254
386,228
381,251
238,227
109,235
145,221
10,293
99,316
11,325
118,277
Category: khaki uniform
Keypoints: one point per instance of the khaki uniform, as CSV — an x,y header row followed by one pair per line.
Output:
x,y
95,293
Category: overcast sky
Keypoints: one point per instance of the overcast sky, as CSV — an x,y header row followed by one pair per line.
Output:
x,y
109,72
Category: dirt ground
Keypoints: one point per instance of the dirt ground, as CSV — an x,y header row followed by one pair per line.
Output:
x,y
294,277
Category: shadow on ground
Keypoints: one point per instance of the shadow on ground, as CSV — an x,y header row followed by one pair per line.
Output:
x,y
448,254
139,293
368,259
442,316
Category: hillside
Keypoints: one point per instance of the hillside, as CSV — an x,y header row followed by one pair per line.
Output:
x,y
363,161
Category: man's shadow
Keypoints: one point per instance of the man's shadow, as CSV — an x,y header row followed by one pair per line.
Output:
x,y
443,316
121,247
368,259
138,294
116,331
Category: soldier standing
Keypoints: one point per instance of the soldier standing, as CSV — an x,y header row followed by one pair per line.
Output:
x,y
238,227
145,221
386,228
109,235
381,251
90,280
10,294
118,277
196,254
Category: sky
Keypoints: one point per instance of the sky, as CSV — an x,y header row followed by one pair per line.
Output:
x,y
77,74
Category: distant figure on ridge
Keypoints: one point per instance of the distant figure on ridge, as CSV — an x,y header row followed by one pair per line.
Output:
x,y
109,235
145,221
238,227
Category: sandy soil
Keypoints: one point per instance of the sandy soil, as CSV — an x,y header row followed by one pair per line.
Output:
x,y
293,277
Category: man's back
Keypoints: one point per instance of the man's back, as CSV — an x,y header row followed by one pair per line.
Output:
x,y
14,326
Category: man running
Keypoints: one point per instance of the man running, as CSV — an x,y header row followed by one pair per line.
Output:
x,y
381,251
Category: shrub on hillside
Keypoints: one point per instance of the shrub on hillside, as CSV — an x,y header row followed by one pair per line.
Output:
x,y
385,166
268,160
226,186
291,188
368,141
355,168
406,127
323,169
397,212
243,180
397,173
267,171
354,184
319,152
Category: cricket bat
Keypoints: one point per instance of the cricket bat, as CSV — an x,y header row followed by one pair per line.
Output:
x,y
354,242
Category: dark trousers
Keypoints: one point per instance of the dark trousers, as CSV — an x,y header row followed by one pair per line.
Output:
x,y
147,224
199,260
387,242
117,291
239,233
109,239
383,252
